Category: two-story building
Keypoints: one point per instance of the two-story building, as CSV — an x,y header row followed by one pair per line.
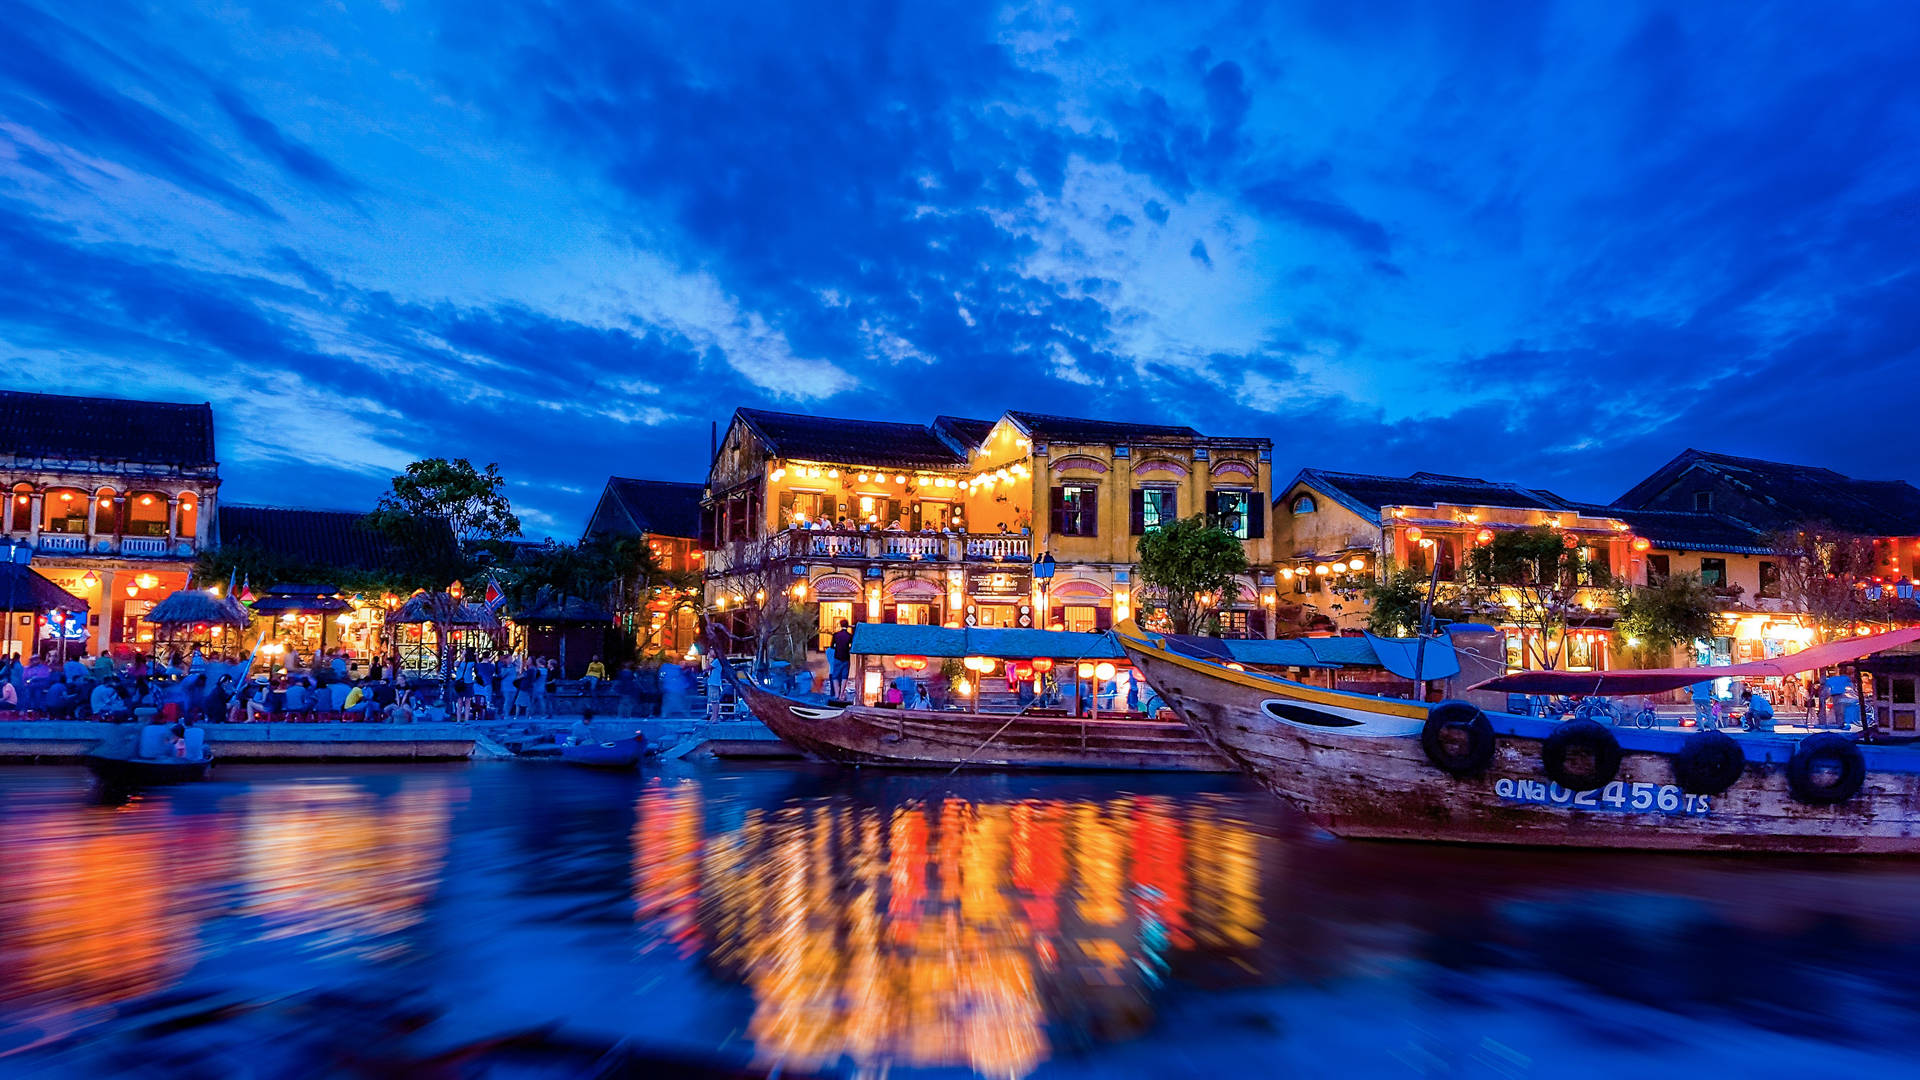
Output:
x,y
665,515
879,521
116,498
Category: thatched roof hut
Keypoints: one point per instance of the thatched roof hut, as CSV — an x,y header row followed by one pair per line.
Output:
x,y
437,607
193,606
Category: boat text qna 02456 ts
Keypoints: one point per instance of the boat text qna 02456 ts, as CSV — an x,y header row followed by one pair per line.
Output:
x,y
1366,766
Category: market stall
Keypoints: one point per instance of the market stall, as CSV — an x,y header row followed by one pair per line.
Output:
x,y
413,631
193,617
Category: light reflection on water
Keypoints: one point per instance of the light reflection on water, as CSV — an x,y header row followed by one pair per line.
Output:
x,y
814,921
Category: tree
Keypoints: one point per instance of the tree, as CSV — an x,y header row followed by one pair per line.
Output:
x,y
472,501
1824,573
1394,600
1537,575
1656,618
1191,565
758,582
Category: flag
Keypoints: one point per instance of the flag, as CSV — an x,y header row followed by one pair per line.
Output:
x,y
246,591
494,595
232,580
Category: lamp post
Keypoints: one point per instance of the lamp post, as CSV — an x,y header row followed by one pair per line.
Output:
x,y
19,554
1043,575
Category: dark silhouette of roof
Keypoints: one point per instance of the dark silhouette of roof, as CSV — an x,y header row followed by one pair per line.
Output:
x,y
1071,429
1775,495
1367,494
331,539
550,609
1685,530
32,592
851,442
54,427
963,433
631,507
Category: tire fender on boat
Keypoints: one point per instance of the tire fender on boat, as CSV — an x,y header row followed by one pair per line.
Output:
x,y
1458,738
1837,753
1599,745
1708,763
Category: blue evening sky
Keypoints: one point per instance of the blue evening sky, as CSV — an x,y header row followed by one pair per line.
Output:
x,y
1550,243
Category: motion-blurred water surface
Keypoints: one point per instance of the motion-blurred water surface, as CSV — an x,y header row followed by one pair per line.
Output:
x,y
522,920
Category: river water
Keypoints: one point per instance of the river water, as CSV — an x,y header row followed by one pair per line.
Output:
x,y
521,919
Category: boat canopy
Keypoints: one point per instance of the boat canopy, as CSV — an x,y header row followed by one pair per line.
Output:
x,y
901,639
1655,680
1394,654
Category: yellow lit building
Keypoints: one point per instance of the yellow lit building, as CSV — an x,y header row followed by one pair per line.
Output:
x,y
875,521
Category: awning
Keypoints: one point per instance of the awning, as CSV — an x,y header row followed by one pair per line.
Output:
x,y
1655,680
1326,652
900,639
32,592
1400,656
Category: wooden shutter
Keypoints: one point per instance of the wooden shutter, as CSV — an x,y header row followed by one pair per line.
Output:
x,y
1137,513
1058,510
893,512
1169,507
1257,515
1213,507
709,535
1103,618
786,509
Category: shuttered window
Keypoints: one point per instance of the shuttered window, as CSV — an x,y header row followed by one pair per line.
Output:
x,y
1076,510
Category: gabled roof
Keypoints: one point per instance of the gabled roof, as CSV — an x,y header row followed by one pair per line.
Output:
x,y
962,433
1789,495
1070,429
851,442
33,592
1367,495
113,430
1685,530
638,507
323,539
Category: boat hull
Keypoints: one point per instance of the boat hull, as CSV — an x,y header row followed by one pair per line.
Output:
x,y
137,772
1355,766
620,754
911,738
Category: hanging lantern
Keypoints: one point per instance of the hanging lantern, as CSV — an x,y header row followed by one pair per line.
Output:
x,y
1085,670
1484,536
1414,533
1641,543
1356,563
1042,664
1103,671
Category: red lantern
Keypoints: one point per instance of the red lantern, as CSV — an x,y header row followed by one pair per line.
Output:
x,y
1484,536
1641,543
1042,664
1023,672
1414,533
910,663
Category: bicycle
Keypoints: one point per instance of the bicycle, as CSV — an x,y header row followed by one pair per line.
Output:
x,y
1597,709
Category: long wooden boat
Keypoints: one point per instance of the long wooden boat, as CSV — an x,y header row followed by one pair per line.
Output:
x,y
133,772
917,738
1372,767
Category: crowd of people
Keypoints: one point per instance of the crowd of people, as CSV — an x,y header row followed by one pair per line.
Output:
x,y
212,685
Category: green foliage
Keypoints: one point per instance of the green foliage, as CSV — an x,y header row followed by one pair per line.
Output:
x,y
1662,616
1189,560
472,501
1394,600
1536,577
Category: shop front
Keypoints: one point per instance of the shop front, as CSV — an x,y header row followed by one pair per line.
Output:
x,y
998,599
837,595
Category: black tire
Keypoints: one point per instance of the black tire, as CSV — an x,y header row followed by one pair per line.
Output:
x,y
1581,738
1708,763
1458,738
1848,769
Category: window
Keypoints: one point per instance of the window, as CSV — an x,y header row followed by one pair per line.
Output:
x,y
1076,510
1713,572
1152,508
1238,511
1770,580
1658,570
803,507
1703,500
1303,505
1233,624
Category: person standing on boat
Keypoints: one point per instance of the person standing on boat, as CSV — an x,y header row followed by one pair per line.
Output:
x,y
839,660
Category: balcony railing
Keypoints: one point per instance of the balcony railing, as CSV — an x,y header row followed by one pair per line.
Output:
x,y
882,546
63,542
143,545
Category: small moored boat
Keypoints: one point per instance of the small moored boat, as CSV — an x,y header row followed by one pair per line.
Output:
x,y
1375,767
134,772
619,754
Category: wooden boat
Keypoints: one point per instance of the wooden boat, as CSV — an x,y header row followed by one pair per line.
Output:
x,y
1372,767
619,754
921,738
134,772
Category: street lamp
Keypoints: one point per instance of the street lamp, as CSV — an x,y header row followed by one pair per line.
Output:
x,y
1043,575
19,554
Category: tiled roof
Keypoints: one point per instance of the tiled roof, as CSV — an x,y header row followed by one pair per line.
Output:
x,y
665,507
1069,429
963,433
1788,495
55,427
852,442
1684,530
1369,494
321,539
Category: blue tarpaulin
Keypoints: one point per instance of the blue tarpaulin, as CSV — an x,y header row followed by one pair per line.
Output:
x,y
1398,655
899,639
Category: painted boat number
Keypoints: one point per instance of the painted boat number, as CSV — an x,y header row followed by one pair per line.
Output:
x,y
1619,796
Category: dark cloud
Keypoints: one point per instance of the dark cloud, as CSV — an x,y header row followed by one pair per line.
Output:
x,y
301,161
1282,199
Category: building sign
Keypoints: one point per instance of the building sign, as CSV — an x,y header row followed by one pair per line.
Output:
x,y
998,584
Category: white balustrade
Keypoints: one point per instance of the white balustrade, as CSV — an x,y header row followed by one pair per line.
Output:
x,y
57,542
143,545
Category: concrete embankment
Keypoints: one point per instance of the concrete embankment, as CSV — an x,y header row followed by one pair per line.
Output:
x,y
69,740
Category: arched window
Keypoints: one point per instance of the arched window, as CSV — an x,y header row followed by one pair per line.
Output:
x,y
1303,505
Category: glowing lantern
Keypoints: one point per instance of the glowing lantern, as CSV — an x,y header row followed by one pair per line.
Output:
x,y
1322,569
1287,572
1042,664
1103,671
1023,672
910,663
965,687
1414,533
1085,670
1356,563
1641,543
1484,536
